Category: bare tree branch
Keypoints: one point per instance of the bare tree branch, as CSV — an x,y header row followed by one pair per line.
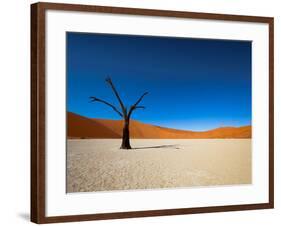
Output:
x,y
93,99
135,106
126,113
140,99
109,81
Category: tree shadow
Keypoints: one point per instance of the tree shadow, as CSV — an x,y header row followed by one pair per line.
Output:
x,y
158,146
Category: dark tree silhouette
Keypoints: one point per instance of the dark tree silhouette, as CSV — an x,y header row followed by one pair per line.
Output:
x,y
124,113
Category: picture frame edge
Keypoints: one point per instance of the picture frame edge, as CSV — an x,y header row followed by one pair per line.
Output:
x,y
37,162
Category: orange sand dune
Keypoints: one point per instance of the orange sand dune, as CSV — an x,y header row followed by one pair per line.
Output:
x,y
81,127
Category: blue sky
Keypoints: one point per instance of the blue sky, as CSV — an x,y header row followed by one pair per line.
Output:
x,y
193,84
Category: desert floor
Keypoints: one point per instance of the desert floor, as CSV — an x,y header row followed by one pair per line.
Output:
x,y
99,164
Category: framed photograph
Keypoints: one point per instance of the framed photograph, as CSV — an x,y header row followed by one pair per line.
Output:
x,y
140,112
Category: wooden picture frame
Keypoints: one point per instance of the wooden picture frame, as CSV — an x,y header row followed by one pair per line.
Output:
x,y
38,116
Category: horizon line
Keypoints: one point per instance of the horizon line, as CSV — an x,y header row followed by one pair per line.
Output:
x,y
189,130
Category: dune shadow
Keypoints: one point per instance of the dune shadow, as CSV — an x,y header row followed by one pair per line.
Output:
x,y
158,146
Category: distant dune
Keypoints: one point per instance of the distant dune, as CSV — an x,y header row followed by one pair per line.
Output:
x,y
82,127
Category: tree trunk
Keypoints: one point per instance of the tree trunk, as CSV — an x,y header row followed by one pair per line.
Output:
x,y
126,136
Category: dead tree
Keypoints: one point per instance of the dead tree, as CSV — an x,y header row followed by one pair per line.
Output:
x,y
124,112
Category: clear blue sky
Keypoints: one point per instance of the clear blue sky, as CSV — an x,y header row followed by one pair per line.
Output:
x,y
193,84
